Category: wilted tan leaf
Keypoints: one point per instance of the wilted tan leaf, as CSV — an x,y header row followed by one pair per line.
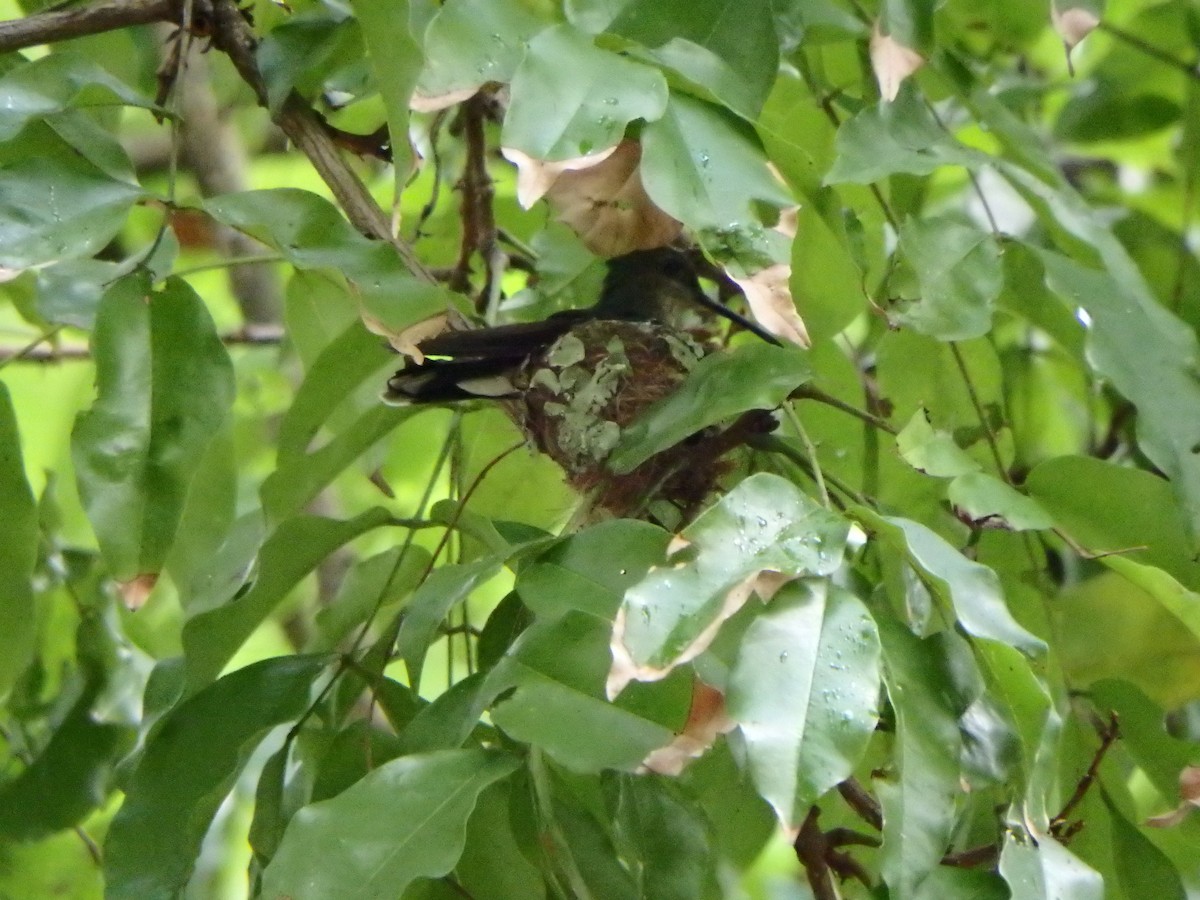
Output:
x,y
625,669
406,340
1073,23
426,104
706,720
892,62
135,592
770,300
535,177
9,274
607,206
1189,795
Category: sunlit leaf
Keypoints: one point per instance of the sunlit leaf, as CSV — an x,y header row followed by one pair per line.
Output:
x,y
571,98
958,268
764,523
164,383
1047,870
803,692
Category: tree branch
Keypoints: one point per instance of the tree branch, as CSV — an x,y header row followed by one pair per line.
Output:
x,y
80,21
259,336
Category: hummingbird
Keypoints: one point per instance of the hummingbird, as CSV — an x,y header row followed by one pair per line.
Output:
x,y
641,286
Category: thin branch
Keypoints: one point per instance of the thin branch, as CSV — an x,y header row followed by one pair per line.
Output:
x,y
1109,732
860,800
259,336
979,411
80,21
810,448
1191,70
809,392
307,130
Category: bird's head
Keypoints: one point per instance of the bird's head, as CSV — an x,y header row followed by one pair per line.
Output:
x,y
647,284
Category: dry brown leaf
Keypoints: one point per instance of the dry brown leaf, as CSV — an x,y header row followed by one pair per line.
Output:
x,y
770,300
625,669
608,207
705,722
406,340
892,62
427,104
1189,795
135,592
535,176
1073,23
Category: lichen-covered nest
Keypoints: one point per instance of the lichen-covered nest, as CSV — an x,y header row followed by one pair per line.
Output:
x,y
580,395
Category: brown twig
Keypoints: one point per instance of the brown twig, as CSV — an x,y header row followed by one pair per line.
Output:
x,y
1109,732
976,856
478,216
79,21
257,337
860,800
809,392
822,860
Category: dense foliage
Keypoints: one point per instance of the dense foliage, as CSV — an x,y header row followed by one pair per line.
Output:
x,y
936,635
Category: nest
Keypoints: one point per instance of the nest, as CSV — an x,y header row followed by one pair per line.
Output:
x,y
583,392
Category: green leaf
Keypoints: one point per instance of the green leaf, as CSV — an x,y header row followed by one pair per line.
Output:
x,y
18,551
187,768
890,138
57,202
1142,869
303,53
1125,323
984,497
722,385
918,800
583,733
570,98
764,523
558,668
57,82
164,385
442,591
591,570
395,58
972,590
931,451
1047,871
492,866
728,47
958,268
471,42
803,692
1159,623
311,234
910,22
405,820
667,837
295,548
298,480
375,581
69,778
706,168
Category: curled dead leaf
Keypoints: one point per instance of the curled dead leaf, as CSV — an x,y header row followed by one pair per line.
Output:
x,y
1073,23
705,722
770,299
892,62
135,592
406,340
600,196
427,104
625,668
535,177
1189,796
